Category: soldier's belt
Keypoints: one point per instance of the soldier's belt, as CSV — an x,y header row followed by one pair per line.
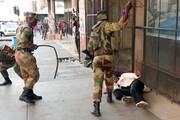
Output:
x,y
25,49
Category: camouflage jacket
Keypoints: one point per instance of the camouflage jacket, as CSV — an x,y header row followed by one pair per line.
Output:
x,y
24,36
100,38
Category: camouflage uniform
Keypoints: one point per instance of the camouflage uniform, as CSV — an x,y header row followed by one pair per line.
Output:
x,y
102,51
100,47
25,59
6,61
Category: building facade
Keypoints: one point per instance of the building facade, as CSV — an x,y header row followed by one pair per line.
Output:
x,y
158,51
122,42
150,42
69,5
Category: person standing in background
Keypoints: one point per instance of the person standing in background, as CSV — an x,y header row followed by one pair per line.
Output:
x,y
45,28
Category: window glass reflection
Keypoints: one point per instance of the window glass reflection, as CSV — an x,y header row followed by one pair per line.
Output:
x,y
153,13
168,16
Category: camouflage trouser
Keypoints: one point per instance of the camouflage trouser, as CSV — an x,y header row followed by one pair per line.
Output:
x,y
4,67
17,70
102,70
28,68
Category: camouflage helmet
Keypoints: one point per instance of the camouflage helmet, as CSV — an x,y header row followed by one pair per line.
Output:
x,y
102,15
31,15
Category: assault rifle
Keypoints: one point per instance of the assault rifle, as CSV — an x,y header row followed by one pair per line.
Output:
x,y
89,58
88,54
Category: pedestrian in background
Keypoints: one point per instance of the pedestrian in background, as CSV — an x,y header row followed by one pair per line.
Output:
x,y
35,29
100,47
25,59
66,29
61,28
45,28
39,24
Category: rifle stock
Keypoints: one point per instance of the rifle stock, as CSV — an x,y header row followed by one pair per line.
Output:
x,y
88,54
89,58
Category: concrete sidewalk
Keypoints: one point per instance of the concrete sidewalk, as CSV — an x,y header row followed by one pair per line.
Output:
x,y
68,97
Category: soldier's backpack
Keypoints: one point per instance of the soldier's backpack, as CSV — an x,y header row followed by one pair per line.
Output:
x,y
100,42
96,36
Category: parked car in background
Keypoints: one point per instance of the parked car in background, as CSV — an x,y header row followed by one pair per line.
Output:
x,y
2,34
1,31
8,28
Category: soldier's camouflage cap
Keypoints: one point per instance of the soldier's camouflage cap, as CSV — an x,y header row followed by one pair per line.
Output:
x,y
31,15
102,15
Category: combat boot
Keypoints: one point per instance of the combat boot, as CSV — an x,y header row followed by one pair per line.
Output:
x,y
6,82
34,96
96,111
109,97
26,96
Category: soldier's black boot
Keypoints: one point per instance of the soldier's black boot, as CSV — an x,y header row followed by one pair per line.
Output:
x,y
26,96
6,82
34,96
109,97
96,111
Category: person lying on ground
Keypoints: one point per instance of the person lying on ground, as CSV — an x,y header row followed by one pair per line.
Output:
x,y
131,88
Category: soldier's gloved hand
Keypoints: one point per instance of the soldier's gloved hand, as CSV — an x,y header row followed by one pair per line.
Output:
x,y
128,6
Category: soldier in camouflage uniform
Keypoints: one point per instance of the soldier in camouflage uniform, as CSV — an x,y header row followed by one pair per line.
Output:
x,y
6,61
25,59
100,47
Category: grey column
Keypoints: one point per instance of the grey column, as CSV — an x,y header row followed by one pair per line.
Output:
x,y
52,17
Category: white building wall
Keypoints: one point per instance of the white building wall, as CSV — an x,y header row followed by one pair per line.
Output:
x,y
25,6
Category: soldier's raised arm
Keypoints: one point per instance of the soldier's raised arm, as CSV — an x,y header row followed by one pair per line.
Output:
x,y
116,26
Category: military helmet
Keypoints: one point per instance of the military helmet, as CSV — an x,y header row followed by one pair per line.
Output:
x,y
102,15
31,15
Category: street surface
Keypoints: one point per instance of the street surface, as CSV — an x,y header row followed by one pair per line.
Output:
x,y
68,97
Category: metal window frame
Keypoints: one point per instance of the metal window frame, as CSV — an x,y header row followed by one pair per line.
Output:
x,y
145,27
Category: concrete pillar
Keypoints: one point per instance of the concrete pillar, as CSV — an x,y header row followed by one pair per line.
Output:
x,y
49,6
52,17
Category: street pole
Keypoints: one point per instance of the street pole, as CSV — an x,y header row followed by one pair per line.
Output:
x,y
53,16
77,33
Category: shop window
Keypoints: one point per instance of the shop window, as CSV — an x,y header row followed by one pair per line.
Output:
x,y
177,63
151,48
166,54
168,11
152,13
162,46
168,16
